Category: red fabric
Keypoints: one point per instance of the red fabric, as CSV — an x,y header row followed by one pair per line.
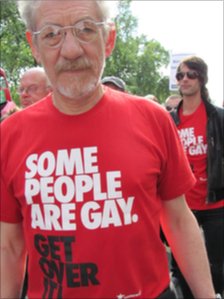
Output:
x,y
93,189
192,131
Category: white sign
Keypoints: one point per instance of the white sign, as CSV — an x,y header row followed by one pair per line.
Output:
x,y
175,60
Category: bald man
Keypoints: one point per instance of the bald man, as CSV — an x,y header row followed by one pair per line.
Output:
x,y
34,85
172,102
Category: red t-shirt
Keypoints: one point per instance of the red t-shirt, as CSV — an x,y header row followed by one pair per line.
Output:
x,y
192,132
88,189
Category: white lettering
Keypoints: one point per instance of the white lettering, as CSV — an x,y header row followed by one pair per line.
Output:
x,y
46,189
31,164
46,164
90,159
98,194
51,215
56,218
32,188
64,189
94,215
126,208
89,219
83,184
68,212
110,214
56,182
36,217
67,164
113,183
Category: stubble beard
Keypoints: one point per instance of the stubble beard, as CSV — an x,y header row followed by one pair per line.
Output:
x,y
77,88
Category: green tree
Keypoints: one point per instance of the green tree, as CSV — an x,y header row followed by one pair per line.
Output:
x,y
15,52
149,76
135,59
122,62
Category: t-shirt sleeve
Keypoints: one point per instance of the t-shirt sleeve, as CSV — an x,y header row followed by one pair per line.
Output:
x,y
9,209
9,206
176,176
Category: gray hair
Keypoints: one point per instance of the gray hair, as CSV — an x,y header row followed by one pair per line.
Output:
x,y
27,9
37,70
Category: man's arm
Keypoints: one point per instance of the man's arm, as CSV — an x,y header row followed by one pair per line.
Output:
x,y
13,256
186,242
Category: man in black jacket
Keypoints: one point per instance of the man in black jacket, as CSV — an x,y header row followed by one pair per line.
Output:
x,y
201,129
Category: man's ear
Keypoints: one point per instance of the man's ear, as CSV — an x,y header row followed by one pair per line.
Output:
x,y
111,39
33,47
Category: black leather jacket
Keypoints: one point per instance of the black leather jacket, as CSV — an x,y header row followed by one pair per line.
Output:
x,y
215,153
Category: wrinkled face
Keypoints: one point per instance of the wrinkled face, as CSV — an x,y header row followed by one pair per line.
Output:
x,y
188,86
33,87
74,68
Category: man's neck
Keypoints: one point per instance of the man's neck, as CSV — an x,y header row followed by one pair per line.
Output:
x,y
191,103
77,106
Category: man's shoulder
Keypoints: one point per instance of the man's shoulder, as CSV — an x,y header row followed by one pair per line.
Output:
x,y
216,113
220,110
26,115
134,101
211,107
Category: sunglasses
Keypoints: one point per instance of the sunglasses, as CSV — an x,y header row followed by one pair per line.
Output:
x,y
190,75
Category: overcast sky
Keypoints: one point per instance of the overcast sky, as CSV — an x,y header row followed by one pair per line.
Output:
x,y
187,27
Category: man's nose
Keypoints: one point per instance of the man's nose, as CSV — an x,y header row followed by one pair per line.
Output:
x,y
24,93
71,47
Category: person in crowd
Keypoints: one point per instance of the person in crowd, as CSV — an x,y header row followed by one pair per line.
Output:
x,y
201,129
34,85
115,83
7,105
89,173
172,102
152,97
9,108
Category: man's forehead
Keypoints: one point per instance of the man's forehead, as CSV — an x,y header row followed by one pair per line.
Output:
x,y
67,10
31,78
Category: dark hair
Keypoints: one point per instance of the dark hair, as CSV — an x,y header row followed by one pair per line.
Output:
x,y
197,64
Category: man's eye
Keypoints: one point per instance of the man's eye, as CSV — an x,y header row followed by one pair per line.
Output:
x,y
88,29
51,34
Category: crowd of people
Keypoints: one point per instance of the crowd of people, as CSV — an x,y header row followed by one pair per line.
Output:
x,y
91,174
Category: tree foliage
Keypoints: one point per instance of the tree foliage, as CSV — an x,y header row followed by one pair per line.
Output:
x,y
137,60
15,52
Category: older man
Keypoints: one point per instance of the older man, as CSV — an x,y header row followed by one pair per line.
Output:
x,y
85,198
172,102
34,85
